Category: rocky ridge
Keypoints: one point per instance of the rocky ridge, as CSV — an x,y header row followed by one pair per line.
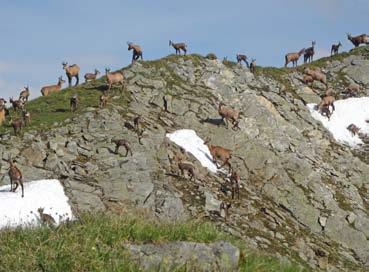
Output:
x,y
303,195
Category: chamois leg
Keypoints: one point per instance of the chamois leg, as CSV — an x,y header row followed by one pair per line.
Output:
x,y
77,78
11,185
191,174
16,185
333,108
21,184
69,81
116,149
185,52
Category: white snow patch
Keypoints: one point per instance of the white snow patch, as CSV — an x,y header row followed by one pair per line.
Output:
x,y
188,140
348,111
48,194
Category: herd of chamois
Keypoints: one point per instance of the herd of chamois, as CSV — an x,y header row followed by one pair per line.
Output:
x,y
227,114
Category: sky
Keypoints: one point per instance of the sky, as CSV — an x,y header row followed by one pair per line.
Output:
x,y
38,35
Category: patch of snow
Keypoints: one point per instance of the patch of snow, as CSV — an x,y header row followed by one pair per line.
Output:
x,y
48,194
347,111
188,140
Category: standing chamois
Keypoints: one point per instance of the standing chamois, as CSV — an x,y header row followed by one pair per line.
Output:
x,y
113,78
91,76
52,88
293,57
24,94
73,103
241,58
137,51
17,125
229,114
71,71
253,66
334,48
103,101
15,176
309,53
357,40
178,47
17,104
2,110
220,153
121,142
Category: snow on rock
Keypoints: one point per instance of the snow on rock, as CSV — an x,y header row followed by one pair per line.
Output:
x,y
48,194
347,111
188,140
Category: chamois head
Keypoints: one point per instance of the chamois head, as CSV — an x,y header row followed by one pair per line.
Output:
x,y
107,70
130,45
97,72
65,65
313,43
349,36
61,80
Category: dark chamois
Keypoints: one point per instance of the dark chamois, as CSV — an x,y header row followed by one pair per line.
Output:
x,y
309,53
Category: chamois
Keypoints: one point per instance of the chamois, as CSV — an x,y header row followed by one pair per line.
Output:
x,y
184,165
113,78
24,94
293,57
45,91
353,129
74,103
45,218
253,66
15,176
326,102
17,125
26,116
17,104
235,180
178,47
326,112
352,90
223,210
241,58
309,53
229,114
357,40
122,142
316,75
103,101
137,51
220,153
71,71
2,110
91,76
335,48
307,79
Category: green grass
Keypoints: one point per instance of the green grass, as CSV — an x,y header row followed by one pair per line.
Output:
x,y
45,111
97,244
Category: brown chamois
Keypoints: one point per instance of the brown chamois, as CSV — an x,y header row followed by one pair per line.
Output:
x,y
178,47
357,40
335,48
326,102
307,79
17,104
74,103
240,58
224,210
316,74
329,92
52,88
91,76
235,181
26,116
103,101
293,57
121,142
309,53
253,66
220,153
353,129
352,90
17,125
229,114
2,110
45,218
184,165
137,51
24,94
15,176
71,71
113,78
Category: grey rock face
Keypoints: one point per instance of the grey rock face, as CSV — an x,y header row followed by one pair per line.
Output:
x,y
219,256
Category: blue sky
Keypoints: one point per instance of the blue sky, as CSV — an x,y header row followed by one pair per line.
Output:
x,y
38,35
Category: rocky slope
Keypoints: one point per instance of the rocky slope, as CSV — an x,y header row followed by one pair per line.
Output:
x,y
303,196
